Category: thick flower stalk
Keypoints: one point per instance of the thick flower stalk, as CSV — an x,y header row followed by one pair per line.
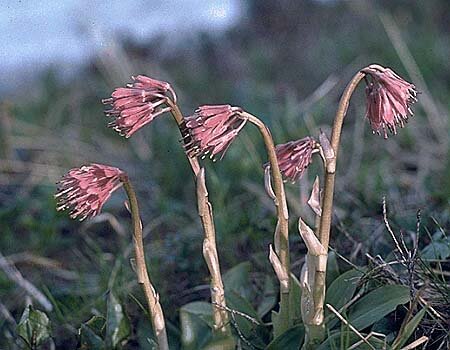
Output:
x,y
294,158
388,103
138,104
155,310
281,236
84,191
134,107
205,211
389,99
211,130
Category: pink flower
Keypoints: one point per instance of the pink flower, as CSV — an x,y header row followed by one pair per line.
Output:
x,y
84,190
389,99
211,130
295,156
137,104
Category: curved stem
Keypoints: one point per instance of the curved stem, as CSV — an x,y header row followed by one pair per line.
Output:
x,y
220,315
154,307
280,202
281,239
327,206
178,116
315,328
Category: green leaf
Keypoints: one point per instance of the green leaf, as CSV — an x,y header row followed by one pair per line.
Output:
x,y
34,327
408,330
196,322
439,248
238,293
90,333
386,326
237,279
291,339
223,343
343,288
97,324
144,336
251,331
377,304
275,319
89,339
236,302
270,296
117,324
200,309
345,339
332,268
295,314
295,294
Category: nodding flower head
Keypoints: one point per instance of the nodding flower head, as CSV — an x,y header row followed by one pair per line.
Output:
x,y
138,104
295,156
211,130
84,190
389,99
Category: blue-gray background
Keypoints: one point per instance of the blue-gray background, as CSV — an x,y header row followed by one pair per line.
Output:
x,y
37,34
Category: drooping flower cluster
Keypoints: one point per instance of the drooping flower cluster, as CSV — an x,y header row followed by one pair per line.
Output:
x,y
295,156
389,99
85,190
211,129
137,104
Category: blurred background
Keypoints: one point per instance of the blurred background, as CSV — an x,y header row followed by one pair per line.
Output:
x,y
285,61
